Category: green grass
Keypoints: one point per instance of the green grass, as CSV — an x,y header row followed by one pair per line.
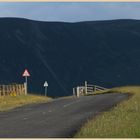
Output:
x,y
10,102
123,121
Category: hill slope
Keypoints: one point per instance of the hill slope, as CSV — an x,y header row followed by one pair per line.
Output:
x,y
66,54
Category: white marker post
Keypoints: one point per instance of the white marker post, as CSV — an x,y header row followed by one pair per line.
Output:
x,y
26,74
45,85
85,87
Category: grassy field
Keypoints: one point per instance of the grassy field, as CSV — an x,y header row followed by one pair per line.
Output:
x,y
10,102
123,121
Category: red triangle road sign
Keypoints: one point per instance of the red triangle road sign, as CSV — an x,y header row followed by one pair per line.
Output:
x,y
26,73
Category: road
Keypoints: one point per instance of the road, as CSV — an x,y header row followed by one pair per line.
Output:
x,y
58,118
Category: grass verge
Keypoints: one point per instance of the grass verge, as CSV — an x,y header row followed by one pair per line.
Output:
x,y
10,102
120,122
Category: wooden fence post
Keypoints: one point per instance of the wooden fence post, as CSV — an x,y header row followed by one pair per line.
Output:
x,y
8,92
18,89
3,89
0,91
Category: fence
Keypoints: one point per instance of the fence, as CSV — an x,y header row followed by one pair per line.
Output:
x,y
86,89
13,89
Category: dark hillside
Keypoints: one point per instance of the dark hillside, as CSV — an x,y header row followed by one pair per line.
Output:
x,y
66,54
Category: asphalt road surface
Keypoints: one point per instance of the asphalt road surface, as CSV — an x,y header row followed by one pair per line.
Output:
x,y
58,118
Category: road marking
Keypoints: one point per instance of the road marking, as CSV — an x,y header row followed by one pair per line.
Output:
x,y
71,103
25,118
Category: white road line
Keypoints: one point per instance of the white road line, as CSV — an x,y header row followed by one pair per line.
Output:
x,y
25,118
71,103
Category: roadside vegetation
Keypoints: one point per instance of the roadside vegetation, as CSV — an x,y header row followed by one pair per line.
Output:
x,y
10,102
121,121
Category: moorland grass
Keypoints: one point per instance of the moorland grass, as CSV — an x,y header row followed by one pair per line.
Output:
x,y
10,102
122,121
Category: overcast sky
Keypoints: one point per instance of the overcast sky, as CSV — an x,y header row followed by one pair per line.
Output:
x,y
71,11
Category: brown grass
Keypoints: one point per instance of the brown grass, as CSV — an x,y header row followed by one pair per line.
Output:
x,y
10,102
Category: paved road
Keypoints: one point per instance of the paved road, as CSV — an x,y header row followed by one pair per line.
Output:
x,y
58,118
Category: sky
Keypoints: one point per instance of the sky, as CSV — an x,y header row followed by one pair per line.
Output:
x,y
71,11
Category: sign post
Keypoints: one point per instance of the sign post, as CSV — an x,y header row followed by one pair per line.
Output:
x,y
85,87
26,74
45,85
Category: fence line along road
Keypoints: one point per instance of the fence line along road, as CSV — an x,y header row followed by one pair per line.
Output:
x,y
87,89
12,89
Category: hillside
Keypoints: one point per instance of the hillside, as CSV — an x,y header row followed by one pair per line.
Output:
x,y
66,54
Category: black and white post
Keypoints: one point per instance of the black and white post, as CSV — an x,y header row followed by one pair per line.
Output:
x,y
46,86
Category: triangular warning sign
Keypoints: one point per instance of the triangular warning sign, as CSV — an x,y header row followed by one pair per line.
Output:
x,y
26,73
45,84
